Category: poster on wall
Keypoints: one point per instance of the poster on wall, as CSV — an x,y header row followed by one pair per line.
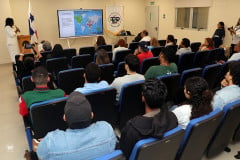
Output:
x,y
114,17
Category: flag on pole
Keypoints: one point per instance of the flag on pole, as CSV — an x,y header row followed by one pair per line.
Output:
x,y
32,29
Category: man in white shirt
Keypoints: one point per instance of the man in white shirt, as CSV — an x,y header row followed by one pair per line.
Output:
x,y
236,55
131,66
184,47
145,36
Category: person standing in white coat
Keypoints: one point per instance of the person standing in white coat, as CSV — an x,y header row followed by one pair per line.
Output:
x,y
11,36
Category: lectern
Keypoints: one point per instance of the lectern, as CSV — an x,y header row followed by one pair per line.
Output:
x,y
21,39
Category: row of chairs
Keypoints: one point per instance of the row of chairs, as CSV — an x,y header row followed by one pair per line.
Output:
x,y
208,134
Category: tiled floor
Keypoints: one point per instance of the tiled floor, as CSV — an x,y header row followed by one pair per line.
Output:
x,y
13,141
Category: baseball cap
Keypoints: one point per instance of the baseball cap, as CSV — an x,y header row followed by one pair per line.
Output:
x,y
144,46
78,111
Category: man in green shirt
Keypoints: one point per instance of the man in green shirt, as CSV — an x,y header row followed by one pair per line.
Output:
x,y
166,65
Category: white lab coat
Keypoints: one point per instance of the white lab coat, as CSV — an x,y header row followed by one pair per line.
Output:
x,y
12,43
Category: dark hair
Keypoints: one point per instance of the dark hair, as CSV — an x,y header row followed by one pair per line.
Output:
x,y
168,54
102,57
186,42
57,51
92,72
145,32
100,41
155,92
222,24
200,96
234,69
133,62
9,22
121,43
40,75
210,42
171,38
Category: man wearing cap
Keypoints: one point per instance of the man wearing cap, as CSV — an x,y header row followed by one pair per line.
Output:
x,y
92,76
143,52
83,140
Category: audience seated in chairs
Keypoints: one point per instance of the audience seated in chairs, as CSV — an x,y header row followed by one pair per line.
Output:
x,y
156,120
231,90
207,45
102,57
166,66
145,36
83,139
153,43
40,93
198,102
92,76
184,47
143,52
121,46
236,55
131,66
170,40
100,41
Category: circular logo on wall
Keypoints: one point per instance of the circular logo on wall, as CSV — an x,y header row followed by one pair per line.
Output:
x,y
115,19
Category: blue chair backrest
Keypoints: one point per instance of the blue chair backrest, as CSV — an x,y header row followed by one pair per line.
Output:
x,y
81,61
195,46
210,74
120,56
197,135
130,101
157,50
212,57
171,81
133,46
147,63
162,42
107,72
87,50
107,47
121,70
200,58
225,130
55,65
70,79
157,149
47,116
115,155
189,73
185,61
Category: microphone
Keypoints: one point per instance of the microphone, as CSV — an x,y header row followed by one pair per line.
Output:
x,y
17,29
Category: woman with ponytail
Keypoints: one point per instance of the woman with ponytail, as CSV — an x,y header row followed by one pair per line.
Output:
x,y
156,120
198,102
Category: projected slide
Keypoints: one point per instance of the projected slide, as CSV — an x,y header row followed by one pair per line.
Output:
x,y
77,23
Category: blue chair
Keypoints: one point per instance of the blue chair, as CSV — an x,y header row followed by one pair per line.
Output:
x,y
200,58
212,57
197,136
157,149
69,53
173,47
195,46
81,61
189,73
171,81
69,80
225,130
147,63
162,42
133,46
120,70
130,102
185,61
105,47
210,74
44,117
55,65
103,105
120,57
115,155
107,72
157,50
87,50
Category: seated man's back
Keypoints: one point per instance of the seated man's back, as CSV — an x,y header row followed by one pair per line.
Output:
x,y
40,93
83,140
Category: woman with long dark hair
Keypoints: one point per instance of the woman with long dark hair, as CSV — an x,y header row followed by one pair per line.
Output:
x,y
11,36
57,51
198,102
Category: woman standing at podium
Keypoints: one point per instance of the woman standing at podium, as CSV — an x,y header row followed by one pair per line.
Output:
x,y
11,36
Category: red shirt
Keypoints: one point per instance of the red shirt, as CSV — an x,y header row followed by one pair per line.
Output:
x,y
144,55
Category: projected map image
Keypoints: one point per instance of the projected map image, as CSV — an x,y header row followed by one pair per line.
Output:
x,y
87,22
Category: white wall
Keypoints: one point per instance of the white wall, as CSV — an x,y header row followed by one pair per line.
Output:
x,y
5,12
221,10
